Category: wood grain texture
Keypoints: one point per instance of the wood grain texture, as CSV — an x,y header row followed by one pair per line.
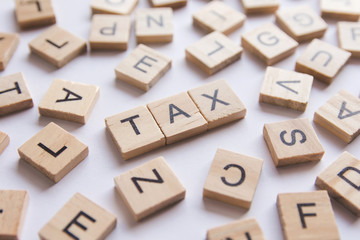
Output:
x,y
8,45
348,10
260,6
4,141
124,7
349,37
169,3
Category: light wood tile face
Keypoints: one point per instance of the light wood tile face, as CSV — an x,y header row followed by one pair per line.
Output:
x,y
31,13
293,141
307,215
347,10
149,188
169,3
233,178
135,132
178,117
57,46
341,180
286,88
154,25
238,230
269,43
341,116
109,32
349,37
13,207
8,44
123,7
53,151
143,67
260,6
69,101
218,103
217,16
213,52
14,94
4,141
302,23
322,60
79,218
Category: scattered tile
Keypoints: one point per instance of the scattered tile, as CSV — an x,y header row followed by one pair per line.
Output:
x,y
260,6
8,45
346,10
4,141
123,7
349,37
169,3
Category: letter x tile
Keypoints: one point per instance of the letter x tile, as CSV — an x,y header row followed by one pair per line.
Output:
x,y
53,151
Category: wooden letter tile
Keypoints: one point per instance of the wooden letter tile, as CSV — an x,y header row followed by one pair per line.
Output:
x,y
247,229
218,103
149,188
213,52
4,141
347,10
322,60
269,43
307,215
135,132
143,67
302,23
293,141
8,44
341,116
13,207
169,3
123,7
217,16
53,151
341,180
233,178
69,101
260,6
286,88
349,37
31,13
14,94
109,32
57,46
79,218
178,117
154,25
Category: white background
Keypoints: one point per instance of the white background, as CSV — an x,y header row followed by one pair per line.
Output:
x,y
190,159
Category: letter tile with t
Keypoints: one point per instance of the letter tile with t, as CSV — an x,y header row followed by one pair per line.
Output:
x,y
8,44
4,141
349,37
118,7
260,6
79,218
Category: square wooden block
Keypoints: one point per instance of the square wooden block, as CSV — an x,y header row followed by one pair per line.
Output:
x,y
233,178
79,218
341,116
347,10
154,25
286,88
4,141
293,141
123,7
143,67
70,101
322,60
302,23
14,94
217,16
57,46
218,103
213,52
53,151
13,207
149,188
269,43
341,180
178,117
349,37
241,230
168,3
8,44
260,6
30,13
109,32
307,215
135,132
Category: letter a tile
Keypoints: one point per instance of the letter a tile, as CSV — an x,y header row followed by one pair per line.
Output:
x,y
149,188
346,10
260,6
213,52
307,215
122,7
233,178
8,44
341,180
79,218
4,141
53,151
341,116
349,37
293,141
30,13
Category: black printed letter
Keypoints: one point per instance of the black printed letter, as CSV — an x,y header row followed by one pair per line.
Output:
x,y
131,120
242,178
281,83
108,30
293,137
51,152
142,60
80,225
17,88
214,99
220,46
270,41
341,175
329,57
159,23
344,109
303,19
180,112
355,33
55,45
67,98
302,214
157,180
